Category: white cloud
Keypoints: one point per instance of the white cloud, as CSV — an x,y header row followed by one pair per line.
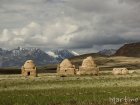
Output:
x,y
31,29
69,23
63,40
29,35
5,35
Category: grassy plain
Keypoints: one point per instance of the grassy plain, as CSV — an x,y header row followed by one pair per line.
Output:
x,y
51,89
48,89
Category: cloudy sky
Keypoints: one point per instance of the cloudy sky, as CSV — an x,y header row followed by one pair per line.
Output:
x,y
82,25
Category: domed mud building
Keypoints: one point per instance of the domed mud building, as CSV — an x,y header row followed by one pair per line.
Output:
x,y
29,69
88,67
66,68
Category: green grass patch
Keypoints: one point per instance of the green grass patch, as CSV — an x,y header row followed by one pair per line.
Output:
x,y
68,96
73,90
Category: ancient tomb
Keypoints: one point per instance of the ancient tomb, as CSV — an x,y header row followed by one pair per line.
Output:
x,y
29,69
88,67
66,68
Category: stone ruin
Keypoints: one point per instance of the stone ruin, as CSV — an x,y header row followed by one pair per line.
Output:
x,y
120,71
29,69
88,67
66,68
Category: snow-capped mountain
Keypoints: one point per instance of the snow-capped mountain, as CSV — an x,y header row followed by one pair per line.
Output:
x,y
62,54
16,57
75,53
107,52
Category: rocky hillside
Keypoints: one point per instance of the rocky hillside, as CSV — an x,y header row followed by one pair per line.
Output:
x,y
129,50
107,52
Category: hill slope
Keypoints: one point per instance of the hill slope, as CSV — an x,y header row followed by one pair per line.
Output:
x,y
129,50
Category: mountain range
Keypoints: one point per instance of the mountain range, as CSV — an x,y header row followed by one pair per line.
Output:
x,y
107,52
128,50
17,57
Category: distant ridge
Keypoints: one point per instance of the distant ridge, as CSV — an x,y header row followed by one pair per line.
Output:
x,y
107,52
129,50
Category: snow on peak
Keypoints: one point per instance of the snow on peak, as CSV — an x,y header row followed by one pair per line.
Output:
x,y
75,53
50,53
